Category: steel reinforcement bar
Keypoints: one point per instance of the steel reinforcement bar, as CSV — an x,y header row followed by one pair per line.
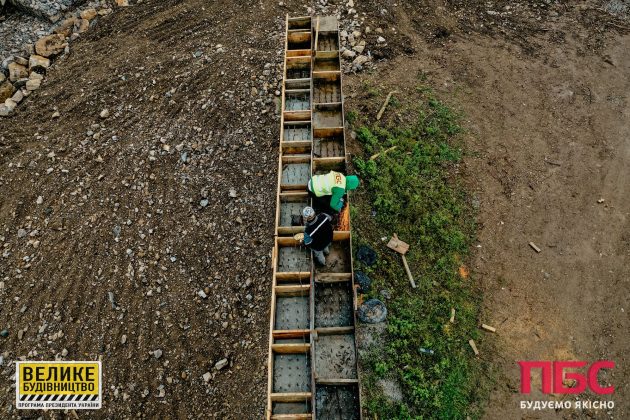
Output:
x,y
312,367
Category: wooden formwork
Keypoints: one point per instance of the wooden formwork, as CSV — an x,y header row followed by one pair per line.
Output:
x,y
312,366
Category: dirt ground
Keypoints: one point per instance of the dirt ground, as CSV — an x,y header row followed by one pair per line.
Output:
x,y
125,211
168,199
546,109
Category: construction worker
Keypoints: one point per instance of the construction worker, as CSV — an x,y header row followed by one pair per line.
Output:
x,y
318,233
328,190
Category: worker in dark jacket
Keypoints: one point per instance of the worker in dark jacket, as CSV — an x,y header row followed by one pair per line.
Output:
x,y
318,233
327,190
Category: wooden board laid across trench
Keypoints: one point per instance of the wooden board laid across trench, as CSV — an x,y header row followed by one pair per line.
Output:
x,y
312,366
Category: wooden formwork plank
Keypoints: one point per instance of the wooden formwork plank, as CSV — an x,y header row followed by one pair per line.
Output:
x,y
285,334
339,381
292,276
290,396
301,290
293,164
299,36
290,230
321,113
328,126
299,53
334,330
291,348
301,115
332,277
291,416
326,132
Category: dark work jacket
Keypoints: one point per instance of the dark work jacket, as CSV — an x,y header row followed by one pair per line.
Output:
x,y
324,235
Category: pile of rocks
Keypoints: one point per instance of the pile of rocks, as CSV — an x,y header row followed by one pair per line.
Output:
x,y
47,9
21,75
354,41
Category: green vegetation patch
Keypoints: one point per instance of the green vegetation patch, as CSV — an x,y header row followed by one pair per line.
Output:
x,y
412,188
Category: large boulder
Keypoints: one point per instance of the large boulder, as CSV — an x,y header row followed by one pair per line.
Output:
x,y
17,71
81,25
88,14
37,61
65,26
33,84
6,91
50,45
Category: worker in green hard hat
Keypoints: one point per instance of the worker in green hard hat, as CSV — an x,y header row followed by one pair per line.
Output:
x,y
328,190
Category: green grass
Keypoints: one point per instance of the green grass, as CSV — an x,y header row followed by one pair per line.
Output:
x,y
414,190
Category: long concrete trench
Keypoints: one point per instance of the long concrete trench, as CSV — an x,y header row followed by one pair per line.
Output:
x,y
312,350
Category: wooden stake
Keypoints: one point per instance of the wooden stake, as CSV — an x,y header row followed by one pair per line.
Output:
x,y
413,283
488,328
534,247
374,156
452,320
316,34
473,346
380,113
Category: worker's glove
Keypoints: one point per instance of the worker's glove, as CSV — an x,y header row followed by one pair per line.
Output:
x,y
342,202
307,239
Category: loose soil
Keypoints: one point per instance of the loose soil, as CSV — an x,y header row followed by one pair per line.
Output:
x,y
546,106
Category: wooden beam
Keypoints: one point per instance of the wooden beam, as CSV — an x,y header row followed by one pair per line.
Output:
x,y
299,37
298,53
327,132
297,290
334,330
327,55
297,115
333,277
290,396
286,334
292,276
302,158
316,34
287,241
328,381
290,230
327,74
341,235
293,187
292,197
296,146
291,348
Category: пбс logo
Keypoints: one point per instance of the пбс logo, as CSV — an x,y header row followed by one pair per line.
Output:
x,y
553,376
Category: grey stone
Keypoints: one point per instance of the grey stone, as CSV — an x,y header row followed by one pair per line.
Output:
x,y
18,96
10,104
221,364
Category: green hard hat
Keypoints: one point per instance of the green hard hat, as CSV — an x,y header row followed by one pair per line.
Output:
x,y
352,182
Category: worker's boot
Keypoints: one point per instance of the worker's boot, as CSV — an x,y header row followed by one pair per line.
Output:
x,y
327,250
320,259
